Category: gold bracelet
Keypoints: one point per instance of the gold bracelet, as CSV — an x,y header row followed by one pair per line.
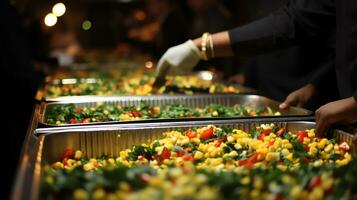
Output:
x,y
204,46
211,46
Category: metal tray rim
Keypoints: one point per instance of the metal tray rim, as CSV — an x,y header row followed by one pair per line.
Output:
x,y
158,97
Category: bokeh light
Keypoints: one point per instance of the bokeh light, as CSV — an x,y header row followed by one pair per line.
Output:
x,y
50,19
59,9
86,25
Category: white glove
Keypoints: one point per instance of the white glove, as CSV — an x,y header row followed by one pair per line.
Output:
x,y
178,59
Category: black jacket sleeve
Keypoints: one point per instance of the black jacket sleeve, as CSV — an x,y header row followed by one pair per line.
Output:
x,y
298,21
325,71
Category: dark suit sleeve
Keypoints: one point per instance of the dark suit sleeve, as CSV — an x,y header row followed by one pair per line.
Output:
x,y
325,77
297,22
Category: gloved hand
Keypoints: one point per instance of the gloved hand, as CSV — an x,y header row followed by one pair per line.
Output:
x,y
178,59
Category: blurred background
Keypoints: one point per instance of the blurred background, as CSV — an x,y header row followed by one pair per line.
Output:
x,y
63,33
60,33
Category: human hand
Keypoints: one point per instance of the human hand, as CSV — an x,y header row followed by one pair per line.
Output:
x,y
299,97
341,111
181,58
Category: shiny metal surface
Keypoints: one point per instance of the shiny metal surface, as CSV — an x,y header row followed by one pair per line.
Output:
x,y
109,140
25,169
193,101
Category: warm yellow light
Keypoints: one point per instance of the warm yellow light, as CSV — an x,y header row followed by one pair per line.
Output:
x,y
50,19
59,9
86,25
148,64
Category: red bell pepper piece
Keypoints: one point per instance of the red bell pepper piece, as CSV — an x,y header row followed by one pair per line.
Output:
x,y
135,113
280,132
315,181
190,134
249,164
271,143
165,154
86,120
246,163
267,131
301,136
68,154
242,162
207,134
180,153
261,137
73,121
219,142
188,158
78,110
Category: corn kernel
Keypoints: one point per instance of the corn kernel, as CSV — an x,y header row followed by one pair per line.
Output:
x,y
290,157
342,162
288,146
111,161
195,140
169,146
328,148
88,167
78,154
348,156
237,146
317,193
254,194
327,184
322,143
311,133
214,113
318,163
58,165
80,194
159,149
202,147
258,183
198,155
230,139
307,140
123,154
99,194
245,180
285,152
295,192
313,151
272,156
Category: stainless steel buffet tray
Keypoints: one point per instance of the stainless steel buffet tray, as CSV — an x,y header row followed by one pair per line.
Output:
x,y
111,139
192,101
203,75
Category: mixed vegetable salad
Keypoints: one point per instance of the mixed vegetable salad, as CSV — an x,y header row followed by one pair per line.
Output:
x,y
72,114
137,84
211,163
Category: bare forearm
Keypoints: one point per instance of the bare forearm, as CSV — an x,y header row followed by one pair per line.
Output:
x,y
221,44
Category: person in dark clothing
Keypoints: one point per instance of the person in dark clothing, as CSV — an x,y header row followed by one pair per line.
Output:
x,y
19,84
300,21
271,73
